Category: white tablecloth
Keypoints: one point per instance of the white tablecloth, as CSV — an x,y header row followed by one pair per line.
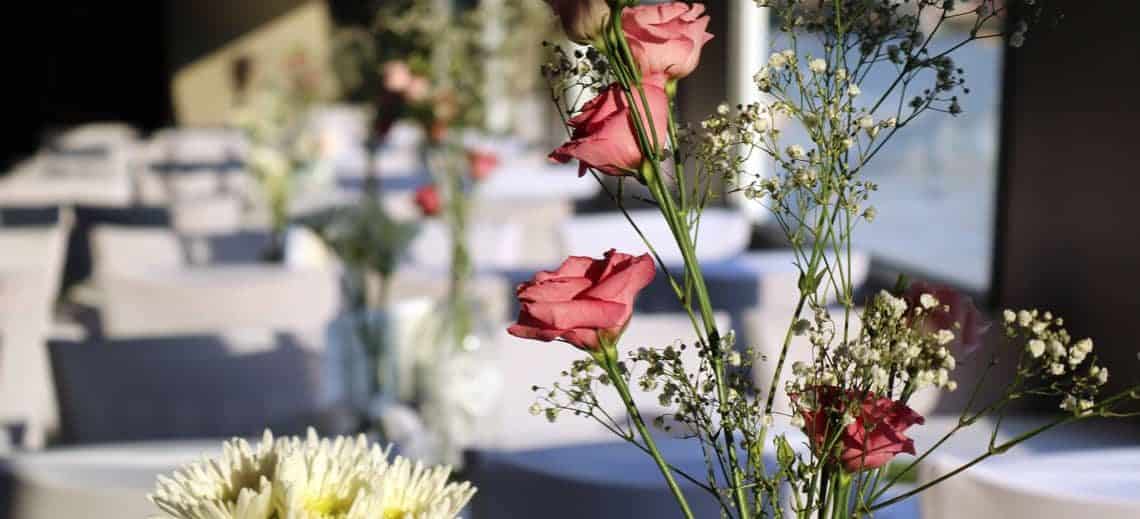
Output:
x,y
99,482
1102,483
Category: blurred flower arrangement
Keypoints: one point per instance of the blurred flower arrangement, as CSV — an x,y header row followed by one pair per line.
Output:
x,y
309,477
424,62
284,156
868,358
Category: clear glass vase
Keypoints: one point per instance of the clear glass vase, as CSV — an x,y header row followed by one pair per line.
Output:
x,y
459,379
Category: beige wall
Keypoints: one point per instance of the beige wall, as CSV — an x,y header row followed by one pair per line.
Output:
x,y
208,37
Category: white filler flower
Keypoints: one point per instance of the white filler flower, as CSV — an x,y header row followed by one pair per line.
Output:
x,y
310,478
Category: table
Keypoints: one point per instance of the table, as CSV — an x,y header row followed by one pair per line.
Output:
x,y
95,482
1096,482
602,480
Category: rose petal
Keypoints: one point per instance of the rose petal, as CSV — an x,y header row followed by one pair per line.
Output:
x,y
565,315
556,289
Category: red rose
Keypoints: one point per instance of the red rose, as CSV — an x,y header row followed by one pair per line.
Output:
x,y
427,198
582,20
953,309
872,439
482,163
666,39
585,297
605,137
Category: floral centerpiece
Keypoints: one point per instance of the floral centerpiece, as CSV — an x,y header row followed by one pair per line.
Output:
x,y
868,358
284,156
309,477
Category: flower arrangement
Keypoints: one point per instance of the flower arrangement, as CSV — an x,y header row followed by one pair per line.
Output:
x,y
869,357
309,477
284,156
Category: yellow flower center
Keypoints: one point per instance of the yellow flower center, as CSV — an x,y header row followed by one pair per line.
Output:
x,y
393,513
328,507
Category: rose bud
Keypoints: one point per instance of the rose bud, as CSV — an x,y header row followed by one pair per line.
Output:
x,y
585,302
874,437
397,76
481,163
951,311
605,137
666,39
427,199
582,20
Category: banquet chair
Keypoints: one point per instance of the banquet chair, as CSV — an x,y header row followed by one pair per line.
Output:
x,y
146,288
725,234
192,386
30,272
490,245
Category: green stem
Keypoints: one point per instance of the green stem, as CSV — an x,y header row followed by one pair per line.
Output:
x,y
606,357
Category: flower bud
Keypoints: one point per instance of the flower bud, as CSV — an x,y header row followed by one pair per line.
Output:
x,y
582,20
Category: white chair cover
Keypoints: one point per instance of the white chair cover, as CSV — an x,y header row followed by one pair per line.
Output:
x,y
160,301
30,272
97,134
490,245
199,145
532,177
724,234
67,180
217,214
538,221
124,250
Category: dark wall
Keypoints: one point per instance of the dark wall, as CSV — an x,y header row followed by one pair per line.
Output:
x,y
72,62
68,63
1068,237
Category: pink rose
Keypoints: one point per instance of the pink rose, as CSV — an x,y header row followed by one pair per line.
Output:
x,y
583,299
582,20
605,137
872,440
666,39
955,312
482,163
427,198
397,76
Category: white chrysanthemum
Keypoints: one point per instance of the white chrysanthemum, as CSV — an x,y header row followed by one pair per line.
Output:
x,y
412,491
310,478
320,478
236,486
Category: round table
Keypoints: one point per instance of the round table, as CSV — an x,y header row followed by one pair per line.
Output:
x,y
93,482
1100,482
600,481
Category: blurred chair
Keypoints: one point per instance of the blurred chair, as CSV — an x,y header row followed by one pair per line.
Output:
x,y
724,234
79,261
529,363
186,387
155,302
490,245
30,272
538,223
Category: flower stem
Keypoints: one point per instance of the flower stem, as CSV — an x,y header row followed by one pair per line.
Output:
x,y
606,357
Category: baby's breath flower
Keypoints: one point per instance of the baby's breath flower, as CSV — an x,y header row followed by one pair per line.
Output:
x,y
1036,348
818,66
853,90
